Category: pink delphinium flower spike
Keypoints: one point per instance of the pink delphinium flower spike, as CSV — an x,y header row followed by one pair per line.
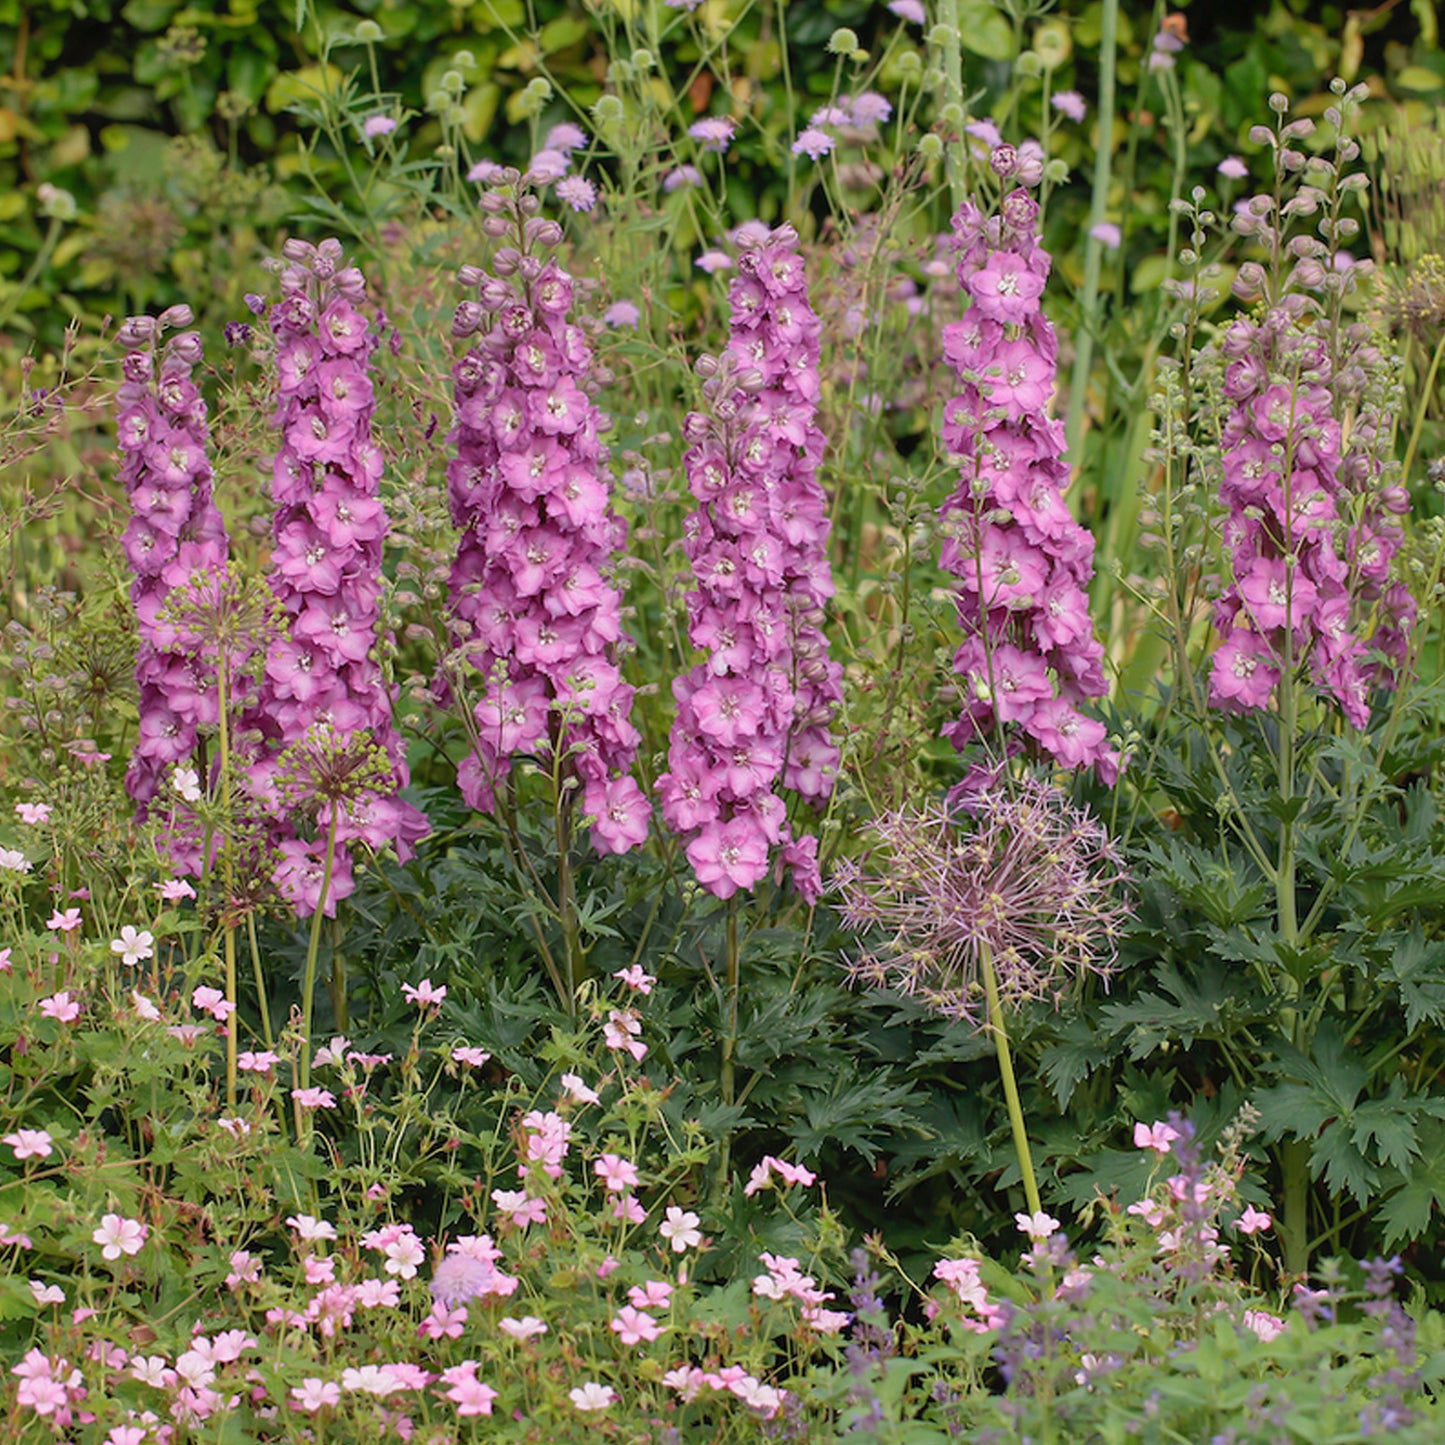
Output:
x,y
329,526
758,713
176,534
535,612
1029,655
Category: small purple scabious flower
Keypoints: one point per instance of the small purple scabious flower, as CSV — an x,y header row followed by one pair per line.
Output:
x,y
577,192
680,176
813,143
622,313
321,674
1029,656
713,132
1071,104
757,714
1021,874
535,612
175,541
377,125
910,10
1107,234
1232,168
565,137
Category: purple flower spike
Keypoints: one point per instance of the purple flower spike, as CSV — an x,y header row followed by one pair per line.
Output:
x,y
1029,656
176,540
321,676
759,711
534,609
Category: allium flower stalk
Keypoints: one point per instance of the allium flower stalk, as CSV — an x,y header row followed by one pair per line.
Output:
x,y
176,538
757,714
535,610
1023,876
1029,656
1014,904
329,525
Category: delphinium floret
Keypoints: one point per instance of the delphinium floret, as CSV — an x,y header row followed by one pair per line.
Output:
x,y
329,526
758,712
1029,657
536,612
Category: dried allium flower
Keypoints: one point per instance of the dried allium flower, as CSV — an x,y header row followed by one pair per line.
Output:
x,y
1022,874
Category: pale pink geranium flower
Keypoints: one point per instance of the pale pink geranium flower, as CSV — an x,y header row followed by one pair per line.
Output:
x,y
589,1395
133,945
213,1002
634,1326
1158,1137
1253,1220
635,978
1266,1327
314,1394
310,1229
425,995
61,1007
617,1173
578,1091
174,890
1038,1226
33,813
66,922
468,1393
522,1329
680,1229
472,1058
118,1235
314,1098
12,860
47,1294
145,1008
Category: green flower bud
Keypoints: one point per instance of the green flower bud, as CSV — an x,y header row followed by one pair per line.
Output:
x,y
368,32
930,147
842,42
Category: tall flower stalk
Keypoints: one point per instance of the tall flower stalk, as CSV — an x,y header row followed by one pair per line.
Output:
x,y
1029,657
322,686
536,616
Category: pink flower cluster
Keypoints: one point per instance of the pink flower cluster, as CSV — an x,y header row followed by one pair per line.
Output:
x,y
1029,656
176,534
534,609
1311,560
759,711
329,525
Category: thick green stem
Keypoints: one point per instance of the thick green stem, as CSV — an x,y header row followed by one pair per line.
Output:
x,y
567,903
1093,248
999,1030
336,984
1426,394
953,94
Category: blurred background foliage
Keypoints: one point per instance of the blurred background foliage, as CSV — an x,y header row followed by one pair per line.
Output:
x,y
175,126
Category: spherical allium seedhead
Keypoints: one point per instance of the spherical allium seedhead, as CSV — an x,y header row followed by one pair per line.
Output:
x,y
1021,875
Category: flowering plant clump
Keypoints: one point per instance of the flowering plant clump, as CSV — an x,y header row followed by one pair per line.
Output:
x,y
1029,655
535,611
176,537
1022,876
329,525
759,711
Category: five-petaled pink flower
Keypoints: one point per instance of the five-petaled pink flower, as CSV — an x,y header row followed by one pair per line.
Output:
x,y
118,1235
65,922
30,1143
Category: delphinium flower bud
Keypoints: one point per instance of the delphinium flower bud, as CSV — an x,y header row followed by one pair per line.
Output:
x,y
534,609
758,712
329,525
175,538
1029,656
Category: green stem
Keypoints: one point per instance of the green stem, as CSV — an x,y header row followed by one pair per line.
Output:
x,y
41,261
1093,249
337,982
260,978
313,950
228,875
1429,391
566,901
999,1030
727,1071
953,95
